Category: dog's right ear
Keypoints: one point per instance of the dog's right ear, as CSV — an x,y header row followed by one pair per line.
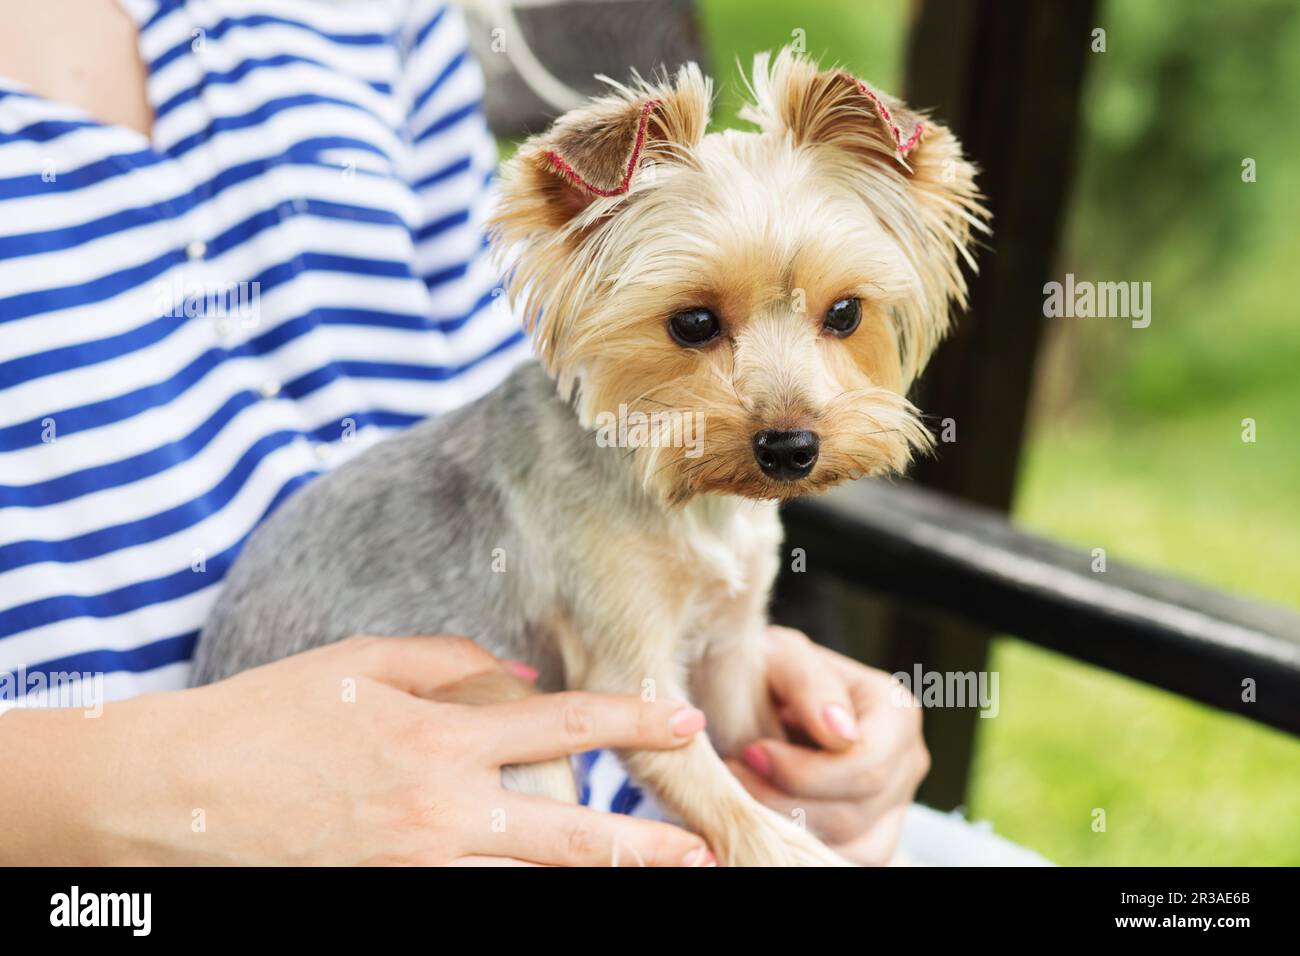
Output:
x,y
595,156
908,169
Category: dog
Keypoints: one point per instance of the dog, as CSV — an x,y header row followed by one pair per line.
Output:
x,y
772,293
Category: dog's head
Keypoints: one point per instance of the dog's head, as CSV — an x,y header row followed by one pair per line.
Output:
x,y
746,309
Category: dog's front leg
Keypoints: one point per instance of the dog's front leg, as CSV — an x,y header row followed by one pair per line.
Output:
x,y
729,680
694,784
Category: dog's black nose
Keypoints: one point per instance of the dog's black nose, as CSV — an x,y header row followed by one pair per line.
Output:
x,y
786,456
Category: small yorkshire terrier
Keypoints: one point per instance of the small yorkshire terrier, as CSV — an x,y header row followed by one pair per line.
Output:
x,y
773,293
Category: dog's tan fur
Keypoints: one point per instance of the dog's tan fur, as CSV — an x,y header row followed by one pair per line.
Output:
x,y
625,212
766,230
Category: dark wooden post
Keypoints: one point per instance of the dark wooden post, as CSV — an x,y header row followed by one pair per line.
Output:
x,y
1006,76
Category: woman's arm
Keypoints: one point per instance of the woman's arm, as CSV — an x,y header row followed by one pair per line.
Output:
x,y
328,757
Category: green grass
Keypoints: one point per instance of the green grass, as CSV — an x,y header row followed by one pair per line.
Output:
x,y
1180,783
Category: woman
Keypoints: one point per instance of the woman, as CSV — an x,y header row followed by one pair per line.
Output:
x,y
239,241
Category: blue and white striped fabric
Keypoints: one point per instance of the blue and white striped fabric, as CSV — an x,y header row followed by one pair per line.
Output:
x,y
195,323
605,785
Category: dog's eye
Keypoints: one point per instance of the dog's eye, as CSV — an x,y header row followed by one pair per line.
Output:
x,y
694,327
843,317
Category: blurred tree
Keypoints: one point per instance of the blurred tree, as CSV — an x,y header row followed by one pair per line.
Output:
x,y
1186,90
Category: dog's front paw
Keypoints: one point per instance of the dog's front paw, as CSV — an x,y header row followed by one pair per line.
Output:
x,y
762,837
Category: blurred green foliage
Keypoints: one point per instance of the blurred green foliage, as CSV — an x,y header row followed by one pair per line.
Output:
x,y
1186,92
859,35
1136,443
1137,440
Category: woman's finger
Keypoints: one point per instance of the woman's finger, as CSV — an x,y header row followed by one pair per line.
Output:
x,y
869,688
418,665
546,726
561,834
889,717
853,774
834,821
843,822
806,684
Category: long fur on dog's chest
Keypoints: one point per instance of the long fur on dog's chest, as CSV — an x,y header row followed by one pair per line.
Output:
x,y
731,546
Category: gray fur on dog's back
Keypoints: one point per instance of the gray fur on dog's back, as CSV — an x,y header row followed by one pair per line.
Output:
x,y
403,538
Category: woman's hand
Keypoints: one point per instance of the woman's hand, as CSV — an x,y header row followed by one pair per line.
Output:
x,y
857,779
328,757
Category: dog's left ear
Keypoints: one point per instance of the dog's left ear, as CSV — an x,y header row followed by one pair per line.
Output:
x,y
599,153
909,169
563,185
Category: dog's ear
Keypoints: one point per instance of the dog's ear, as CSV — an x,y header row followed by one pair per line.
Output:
x,y
562,185
602,152
836,109
910,170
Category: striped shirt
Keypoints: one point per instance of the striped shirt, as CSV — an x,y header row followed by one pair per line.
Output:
x,y
196,322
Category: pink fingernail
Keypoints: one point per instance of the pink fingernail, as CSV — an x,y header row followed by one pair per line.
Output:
x,y
700,856
520,669
758,760
841,721
687,721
